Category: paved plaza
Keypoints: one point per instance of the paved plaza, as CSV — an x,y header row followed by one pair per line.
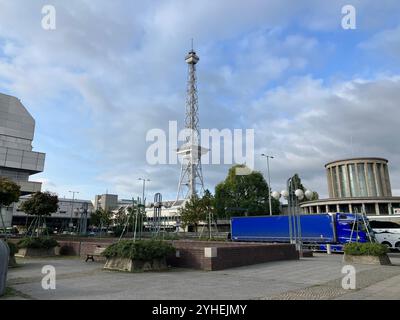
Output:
x,y
318,277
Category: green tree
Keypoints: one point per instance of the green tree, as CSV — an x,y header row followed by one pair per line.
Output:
x,y
101,218
192,212
40,204
296,183
9,193
243,194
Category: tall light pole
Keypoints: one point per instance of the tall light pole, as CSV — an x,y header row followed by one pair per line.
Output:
x,y
72,207
269,182
144,204
144,186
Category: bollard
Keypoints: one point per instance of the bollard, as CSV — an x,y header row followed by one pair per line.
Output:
x,y
328,249
4,256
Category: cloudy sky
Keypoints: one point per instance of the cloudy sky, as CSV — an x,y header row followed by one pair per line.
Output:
x,y
113,70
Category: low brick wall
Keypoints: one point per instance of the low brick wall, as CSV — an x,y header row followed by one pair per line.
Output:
x,y
220,255
204,255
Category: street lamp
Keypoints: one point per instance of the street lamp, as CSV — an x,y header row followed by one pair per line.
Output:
x,y
269,182
71,224
144,186
293,198
143,202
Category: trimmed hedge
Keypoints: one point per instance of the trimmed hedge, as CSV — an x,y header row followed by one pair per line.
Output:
x,y
365,249
143,250
38,243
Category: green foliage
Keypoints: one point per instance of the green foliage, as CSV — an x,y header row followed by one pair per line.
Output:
x,y
192,212
101,217
38,243
40,204
143,250
296,183
365,249
243,194
170,236
9,192
13,248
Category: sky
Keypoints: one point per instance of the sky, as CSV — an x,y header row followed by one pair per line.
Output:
x,y
112,70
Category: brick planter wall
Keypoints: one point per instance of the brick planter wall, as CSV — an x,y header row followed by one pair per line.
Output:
x,y
220,255
203,255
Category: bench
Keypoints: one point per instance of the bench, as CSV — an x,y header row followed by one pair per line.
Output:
x,y
96,253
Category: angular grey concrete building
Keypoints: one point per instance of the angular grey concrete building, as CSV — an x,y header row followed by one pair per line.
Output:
x,y
17,160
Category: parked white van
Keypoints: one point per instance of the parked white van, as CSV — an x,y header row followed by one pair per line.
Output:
x,y
386,230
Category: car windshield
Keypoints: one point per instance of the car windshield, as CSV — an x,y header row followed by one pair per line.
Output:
x,y
384,225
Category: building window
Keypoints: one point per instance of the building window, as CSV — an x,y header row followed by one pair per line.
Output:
x,y
379,179
371,179
344,181
353,181
361,180
336,192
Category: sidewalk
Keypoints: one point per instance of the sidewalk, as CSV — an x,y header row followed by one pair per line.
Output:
x,y
313,278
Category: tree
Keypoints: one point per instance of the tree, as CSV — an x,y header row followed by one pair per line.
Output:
x,y
208,206
296,182
101,218
243,194
192,212
9,193
40,204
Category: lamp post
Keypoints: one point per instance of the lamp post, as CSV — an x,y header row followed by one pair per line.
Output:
x,y
144,204
293,196
71,224
269,182
144,186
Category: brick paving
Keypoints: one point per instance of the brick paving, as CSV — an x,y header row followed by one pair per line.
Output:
x,y
309,278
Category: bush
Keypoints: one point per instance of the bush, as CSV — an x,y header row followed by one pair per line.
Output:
x,y
144,250
365,249
38,243
13,248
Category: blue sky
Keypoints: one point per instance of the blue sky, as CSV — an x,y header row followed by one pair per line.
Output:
x,y
111,71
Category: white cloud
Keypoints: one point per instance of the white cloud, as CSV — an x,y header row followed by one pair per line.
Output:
x,y
116,70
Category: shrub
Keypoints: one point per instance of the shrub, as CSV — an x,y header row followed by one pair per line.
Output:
x,y
365,249
13,248
38,243
143,250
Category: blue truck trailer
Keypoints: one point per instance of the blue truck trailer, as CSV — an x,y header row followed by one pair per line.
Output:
x,y
317,230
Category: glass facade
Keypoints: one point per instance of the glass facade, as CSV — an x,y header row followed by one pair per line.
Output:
x,y
344,181
379,179
336,193
361,180
353,180
371,179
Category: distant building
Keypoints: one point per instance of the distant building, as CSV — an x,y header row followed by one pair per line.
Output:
x,y
69,211
106,202
17,160
357,185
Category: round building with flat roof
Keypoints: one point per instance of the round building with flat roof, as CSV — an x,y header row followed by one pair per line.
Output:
x,y
357,185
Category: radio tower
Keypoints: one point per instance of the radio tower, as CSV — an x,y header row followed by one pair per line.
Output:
x,y
191,177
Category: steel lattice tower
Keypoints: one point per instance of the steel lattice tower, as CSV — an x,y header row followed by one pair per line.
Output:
x,y
191,176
